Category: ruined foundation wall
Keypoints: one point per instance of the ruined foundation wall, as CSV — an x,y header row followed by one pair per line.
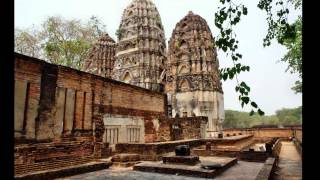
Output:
x,y
182,128
263,133
298,134
58,104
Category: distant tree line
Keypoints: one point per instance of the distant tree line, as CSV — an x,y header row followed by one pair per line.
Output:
x,y
282,117
59,41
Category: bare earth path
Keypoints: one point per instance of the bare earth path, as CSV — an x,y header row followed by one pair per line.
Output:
x,y
290,163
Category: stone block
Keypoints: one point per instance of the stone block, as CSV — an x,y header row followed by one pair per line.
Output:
x,y
69,111
60,108
182,150
32,111
20,91
187,160
125,158
79,110
88,111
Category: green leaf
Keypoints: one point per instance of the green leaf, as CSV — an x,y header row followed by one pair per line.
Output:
x,y
237,88
254,104
261,113
239,55
228,31
245,99
245,11
251,113
242,90
231,75
224,48
246,87
234,58
225,76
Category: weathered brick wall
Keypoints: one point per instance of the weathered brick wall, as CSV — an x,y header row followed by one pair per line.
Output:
x,y
154,151
264,133
71,100
233,143
40,152
55,104
27,78
298,135
187,128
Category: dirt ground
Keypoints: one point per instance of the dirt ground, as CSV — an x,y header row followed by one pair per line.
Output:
x,y
290,164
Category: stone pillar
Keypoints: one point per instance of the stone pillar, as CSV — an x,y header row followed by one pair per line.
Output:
x,y
45,121
97,149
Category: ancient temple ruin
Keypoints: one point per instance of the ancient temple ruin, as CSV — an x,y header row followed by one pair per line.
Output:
x,y
137,102
193,84
188,72
140,54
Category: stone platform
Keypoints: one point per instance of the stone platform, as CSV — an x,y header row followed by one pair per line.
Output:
x,y
187,170
65,171
187,160
125,160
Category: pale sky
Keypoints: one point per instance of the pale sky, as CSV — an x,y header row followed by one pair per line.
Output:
x,y
270,84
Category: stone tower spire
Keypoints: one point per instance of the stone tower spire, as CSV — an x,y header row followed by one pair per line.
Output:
x,y
193,84
140,55
100,60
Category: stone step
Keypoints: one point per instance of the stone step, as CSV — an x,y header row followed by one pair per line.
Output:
x,y
48,164
60,160
64,171
21,169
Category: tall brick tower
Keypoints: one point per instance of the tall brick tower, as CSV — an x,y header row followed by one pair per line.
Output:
x,y
192,83
140,55
100,60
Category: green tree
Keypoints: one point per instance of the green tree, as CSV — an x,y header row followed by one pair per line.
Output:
x,y
285,116
229,15
287,34
27,42
294,55
61,41
290,116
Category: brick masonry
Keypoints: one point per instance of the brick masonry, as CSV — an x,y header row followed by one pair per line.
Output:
x,y
265,134
181,128
60,110
154,151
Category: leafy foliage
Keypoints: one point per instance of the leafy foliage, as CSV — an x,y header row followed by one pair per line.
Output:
x,y
285,116
294,55
27,42
226,18
289,35
60,41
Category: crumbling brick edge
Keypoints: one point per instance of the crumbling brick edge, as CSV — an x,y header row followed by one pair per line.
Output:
x,y
69,171
268,169
298,146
